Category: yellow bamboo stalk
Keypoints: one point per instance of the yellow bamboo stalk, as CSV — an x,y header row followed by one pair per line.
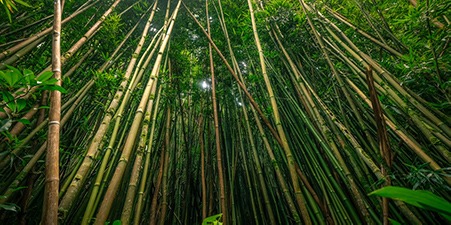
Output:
x,y
290,158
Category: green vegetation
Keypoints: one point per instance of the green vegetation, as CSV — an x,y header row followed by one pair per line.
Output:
x,y
225,112
421,199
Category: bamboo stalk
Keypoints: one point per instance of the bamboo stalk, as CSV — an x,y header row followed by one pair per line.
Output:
x,y
291,161
221,173
19,46
120,169
50,212
73,190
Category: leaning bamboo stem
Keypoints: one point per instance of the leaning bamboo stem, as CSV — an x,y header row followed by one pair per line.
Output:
x,y
291,161
221,173
148,152
240,84
164,181
120,169
392,81
77,183
19,46
50,213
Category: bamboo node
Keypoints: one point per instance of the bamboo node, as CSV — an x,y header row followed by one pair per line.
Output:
x,y
54,123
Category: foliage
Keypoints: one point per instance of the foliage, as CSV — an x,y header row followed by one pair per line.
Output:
x,y
422,177
10,206
10,6
419,198
111,30
328,122
106,83
213,220
14,81
15,84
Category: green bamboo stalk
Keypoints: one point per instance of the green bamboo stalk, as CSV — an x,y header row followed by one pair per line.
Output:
x,y
289,155
33,38
77,183
148,152
120,169
221,173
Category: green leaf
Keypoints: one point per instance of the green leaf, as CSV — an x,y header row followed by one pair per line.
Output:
x,y
212,219
394,222
29,76
12,105
14,75
10,207
55,88
44,76
18,188
418,198
7,78
117,222
8,13
24,121
7,97
21,104
23,3
50,81
27,72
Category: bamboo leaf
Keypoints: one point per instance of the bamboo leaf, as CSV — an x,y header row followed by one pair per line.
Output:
x,y
55,88
394,222
418,198
212,219
10,207
24,121
45,76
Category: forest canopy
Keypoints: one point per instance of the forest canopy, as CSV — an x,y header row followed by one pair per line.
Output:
x,y
221,111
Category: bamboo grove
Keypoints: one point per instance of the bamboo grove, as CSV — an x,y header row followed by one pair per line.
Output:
x,y
268,112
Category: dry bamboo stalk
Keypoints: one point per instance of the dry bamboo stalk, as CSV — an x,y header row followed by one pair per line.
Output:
x,y
50,208
383,139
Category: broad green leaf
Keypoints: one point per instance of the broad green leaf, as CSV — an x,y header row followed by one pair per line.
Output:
x,y
212,219
29,76
21,104
418,198
50,81
117,222
55,88
12,105
6,77
27,72
24,121
44,76
7,97
394,222
14,75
